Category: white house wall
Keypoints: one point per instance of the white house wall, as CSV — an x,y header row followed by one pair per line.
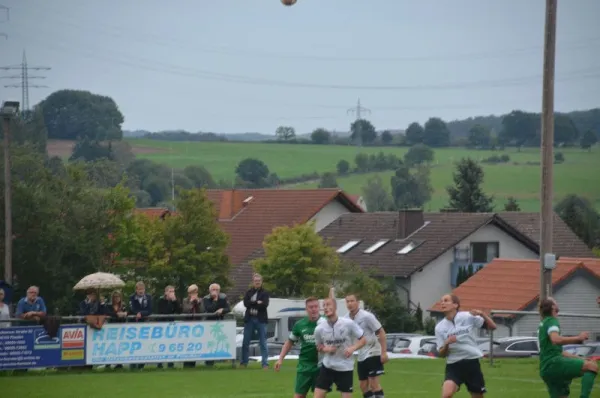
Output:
x,y
578,296
328,214
428,285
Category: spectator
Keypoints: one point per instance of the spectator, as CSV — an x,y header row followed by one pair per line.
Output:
x,y
117,312
215,303
192,305
4,311
32,306
168,305
91,305
140,305
256,302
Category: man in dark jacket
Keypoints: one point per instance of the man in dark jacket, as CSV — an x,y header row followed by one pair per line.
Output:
x,y
256,302
140,305
215,303
168,305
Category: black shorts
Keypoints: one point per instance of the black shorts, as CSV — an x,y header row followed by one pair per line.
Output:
x,y
467,372
370,367
328,377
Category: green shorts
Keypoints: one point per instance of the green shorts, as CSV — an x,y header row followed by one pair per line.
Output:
x,y
559,373
305,381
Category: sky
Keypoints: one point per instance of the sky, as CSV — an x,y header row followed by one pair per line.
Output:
x,y
232,66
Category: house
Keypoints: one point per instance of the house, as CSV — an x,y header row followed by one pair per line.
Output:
x,y
360,201
425,251
514,285
248,215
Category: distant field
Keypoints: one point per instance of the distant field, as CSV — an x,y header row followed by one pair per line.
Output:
x,y
579,174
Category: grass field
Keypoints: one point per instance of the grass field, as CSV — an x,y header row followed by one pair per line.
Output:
x,y
404,378
578,174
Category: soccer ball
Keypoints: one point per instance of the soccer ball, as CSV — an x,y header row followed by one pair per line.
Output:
x,y
288,2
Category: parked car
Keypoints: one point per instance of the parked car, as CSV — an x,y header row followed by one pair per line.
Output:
x,y
393,338
430,347
514,347
588,351
411,345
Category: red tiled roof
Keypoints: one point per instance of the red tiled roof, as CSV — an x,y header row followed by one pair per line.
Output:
x,y
247,223
513,285
152,212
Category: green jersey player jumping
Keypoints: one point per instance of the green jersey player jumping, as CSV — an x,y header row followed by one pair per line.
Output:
x,y
308,361
557,367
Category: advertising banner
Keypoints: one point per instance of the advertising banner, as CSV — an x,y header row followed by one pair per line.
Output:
x,y
147,342
26,347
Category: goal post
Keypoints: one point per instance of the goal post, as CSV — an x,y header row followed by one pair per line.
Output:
x,y
594,328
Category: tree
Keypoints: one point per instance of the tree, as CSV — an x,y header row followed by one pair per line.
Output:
x,y
30,131
410,189
386,137
363,132
377,198
88,150
200,177
320,136
565,131
479,137
328,180
588,140
70,114
415,134
436,133
285,133
253,171
297,262
343,167
361,160
418,154
512,204
521,129
583,219
467,195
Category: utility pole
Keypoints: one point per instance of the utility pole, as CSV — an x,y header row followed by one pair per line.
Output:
x,y
547,151
24,68
358,110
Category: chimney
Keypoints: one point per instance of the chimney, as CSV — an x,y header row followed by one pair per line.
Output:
x,y
409,220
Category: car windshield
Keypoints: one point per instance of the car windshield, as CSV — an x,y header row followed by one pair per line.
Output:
x,y
429,347
402,343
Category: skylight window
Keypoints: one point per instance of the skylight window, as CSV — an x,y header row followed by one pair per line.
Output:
x,y
408,248
348,246
376,246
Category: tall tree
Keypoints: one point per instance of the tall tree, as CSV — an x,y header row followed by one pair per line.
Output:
x,y
565,131
436,133
363,132
70,114
297,262
320,136
418,154
588,140
467,194
377,198
410,189
253,171
479,137
520,128
579,214
415,134
285,133
386,137
200,177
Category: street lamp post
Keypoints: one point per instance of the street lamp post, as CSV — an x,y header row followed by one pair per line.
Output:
x,y
9,110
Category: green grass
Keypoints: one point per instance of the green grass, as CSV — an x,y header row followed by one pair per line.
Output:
x,y
577,175
403,378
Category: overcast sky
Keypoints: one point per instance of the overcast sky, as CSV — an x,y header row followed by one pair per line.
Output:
x,y
252,65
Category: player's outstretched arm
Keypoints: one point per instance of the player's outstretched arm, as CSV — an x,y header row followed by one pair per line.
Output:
x,y
557,339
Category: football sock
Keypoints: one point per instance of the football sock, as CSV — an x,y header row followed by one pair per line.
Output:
x,y
368,394
378,394
587,383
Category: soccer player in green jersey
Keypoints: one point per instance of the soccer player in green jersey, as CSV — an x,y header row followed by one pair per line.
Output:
x,y
559,368
308,362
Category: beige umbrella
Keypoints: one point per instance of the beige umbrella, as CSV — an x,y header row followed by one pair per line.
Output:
x,y
99,280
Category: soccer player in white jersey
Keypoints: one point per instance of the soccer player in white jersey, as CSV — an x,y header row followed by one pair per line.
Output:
x,y
338,339
374,354
455,337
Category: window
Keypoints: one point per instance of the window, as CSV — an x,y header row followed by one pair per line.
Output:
x,y
523,346
376,246
425,341
348,246
408,248
484,252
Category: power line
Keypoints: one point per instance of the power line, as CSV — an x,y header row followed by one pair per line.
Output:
x,y
156,66
24,85
166,41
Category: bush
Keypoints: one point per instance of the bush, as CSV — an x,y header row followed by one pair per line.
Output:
x,y
559,158
495,159
342,167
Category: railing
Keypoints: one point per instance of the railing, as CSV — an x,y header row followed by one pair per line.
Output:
x,y
505,312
